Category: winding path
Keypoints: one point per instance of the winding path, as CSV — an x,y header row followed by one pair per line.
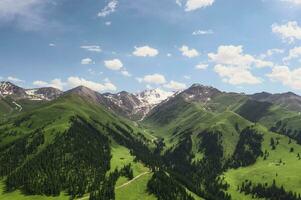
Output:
x,y
129,182
123,185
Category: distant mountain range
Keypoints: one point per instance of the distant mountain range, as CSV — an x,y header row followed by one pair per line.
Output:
x,y
137,105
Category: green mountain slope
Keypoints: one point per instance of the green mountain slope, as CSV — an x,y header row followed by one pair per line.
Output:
x,y
63,145
199,144
73,146
212,134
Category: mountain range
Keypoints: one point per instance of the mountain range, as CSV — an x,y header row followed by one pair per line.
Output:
x,y
199,143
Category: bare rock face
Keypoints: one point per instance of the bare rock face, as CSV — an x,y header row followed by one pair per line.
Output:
x,y
9,89
47,93
200,93
135,105
16,92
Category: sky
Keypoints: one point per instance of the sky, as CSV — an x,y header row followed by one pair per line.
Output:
x,y
114,45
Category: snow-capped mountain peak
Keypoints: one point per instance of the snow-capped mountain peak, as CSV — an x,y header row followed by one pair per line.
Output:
x,y
8,88
154,96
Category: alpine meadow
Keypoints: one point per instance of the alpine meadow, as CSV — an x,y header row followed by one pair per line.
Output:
x,y
150,100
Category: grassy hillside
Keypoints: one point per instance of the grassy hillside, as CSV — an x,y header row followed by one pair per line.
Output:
x,y
282,165
74,147
65,129
184,126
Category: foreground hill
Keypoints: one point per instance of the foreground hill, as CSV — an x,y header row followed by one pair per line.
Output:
x,y
72,145
204,128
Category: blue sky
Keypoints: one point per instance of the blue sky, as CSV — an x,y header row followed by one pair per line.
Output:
x,y
113,45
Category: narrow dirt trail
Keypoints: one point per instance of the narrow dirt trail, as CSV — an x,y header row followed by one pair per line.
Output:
x,y
129,182
123,185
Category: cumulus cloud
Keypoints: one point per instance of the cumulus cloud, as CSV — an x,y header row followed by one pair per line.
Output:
x,y
235,67
271,52
86,61
262,63
93,48
145,51
293,54
114,64
174,85
288,32
236,75
187,77
153,79
197,4
14,79
55,83
286,76
75,81
201,66
126,73
190,53
234,55
202,32
108,9
179,2
40,83
231,55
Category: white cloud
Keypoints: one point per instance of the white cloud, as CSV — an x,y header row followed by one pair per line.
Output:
x,y
190,53
108,23
234,55
235,67
168,54
236,75
290,78
202,32
14,79
40,83
231,55
26,14
55,83
297,2
293,54
94,73
197,4
126,73
86,61
201,66
114,64
262,63
77,81
179,2
108,9
93,48
153,79
145,51
52,45
272,52
288,32
187,77
175,85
